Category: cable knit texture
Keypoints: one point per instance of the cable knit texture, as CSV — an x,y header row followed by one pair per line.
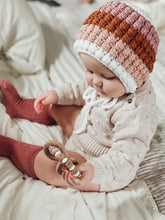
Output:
x,y
123,38
116,135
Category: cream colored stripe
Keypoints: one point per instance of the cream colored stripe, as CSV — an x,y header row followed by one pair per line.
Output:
x,y
92,146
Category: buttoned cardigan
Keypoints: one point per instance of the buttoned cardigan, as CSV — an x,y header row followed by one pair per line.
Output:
x,y
114,140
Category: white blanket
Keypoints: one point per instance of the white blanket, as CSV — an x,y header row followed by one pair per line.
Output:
x,y
22,197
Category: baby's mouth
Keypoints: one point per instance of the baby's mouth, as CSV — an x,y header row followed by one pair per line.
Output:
x,y
100,92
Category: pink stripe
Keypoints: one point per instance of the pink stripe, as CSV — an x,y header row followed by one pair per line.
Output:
x,y
117,49
132,17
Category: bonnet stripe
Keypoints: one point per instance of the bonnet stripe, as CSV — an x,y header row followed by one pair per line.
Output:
x,y
129,35
134,18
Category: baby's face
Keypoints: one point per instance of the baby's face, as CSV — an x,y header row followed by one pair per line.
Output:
x,y
101,78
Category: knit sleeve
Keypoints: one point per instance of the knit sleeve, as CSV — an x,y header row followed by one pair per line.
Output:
x,y
133,130
71,93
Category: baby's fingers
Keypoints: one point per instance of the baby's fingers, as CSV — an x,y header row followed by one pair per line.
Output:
x,y
69,178
39,108
39,103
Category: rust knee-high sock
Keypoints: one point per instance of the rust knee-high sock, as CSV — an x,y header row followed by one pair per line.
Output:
x,y
21,154
18,107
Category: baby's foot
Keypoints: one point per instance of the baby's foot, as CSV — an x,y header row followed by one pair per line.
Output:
x,y
10,97
17,107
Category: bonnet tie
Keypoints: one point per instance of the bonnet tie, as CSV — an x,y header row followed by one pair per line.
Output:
x,y
92,99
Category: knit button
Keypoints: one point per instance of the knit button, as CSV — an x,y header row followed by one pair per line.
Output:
x,y
130,101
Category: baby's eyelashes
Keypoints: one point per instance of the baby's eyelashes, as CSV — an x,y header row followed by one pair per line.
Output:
x,y
108,77
102,75
90,71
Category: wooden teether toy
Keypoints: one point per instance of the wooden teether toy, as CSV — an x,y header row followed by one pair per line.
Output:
x,y
59,155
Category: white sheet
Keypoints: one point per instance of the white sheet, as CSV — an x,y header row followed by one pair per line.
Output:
x,y
24,198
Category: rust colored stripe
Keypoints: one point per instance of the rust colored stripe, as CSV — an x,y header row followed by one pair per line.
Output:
x,y
134,38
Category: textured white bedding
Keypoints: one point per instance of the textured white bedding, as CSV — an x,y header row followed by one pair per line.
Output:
x,y
24,198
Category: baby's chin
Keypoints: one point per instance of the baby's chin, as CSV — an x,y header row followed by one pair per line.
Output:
x,y
102,94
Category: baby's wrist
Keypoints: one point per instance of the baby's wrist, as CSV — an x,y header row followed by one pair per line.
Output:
x,y
55,97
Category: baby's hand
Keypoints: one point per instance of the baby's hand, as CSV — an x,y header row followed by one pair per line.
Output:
x,y
87,173
46,98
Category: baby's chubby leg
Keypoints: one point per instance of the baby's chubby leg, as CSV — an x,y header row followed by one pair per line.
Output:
x,y
18,107
65,116
45,170
31,160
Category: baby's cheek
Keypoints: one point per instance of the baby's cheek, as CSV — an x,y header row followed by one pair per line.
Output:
x,y
108,86
116,92
110,89
88,79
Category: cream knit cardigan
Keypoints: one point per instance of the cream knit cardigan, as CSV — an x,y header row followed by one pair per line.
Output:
x,y
114,139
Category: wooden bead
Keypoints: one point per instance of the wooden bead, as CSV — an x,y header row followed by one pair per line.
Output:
x,y
60,157
74,171
69,164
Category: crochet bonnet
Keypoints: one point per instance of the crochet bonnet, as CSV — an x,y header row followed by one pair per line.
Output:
x,y
122,37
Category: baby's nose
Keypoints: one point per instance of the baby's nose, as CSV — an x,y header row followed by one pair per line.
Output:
x,y
97,81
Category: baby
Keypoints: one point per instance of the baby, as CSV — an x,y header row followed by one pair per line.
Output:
x,y
117,45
